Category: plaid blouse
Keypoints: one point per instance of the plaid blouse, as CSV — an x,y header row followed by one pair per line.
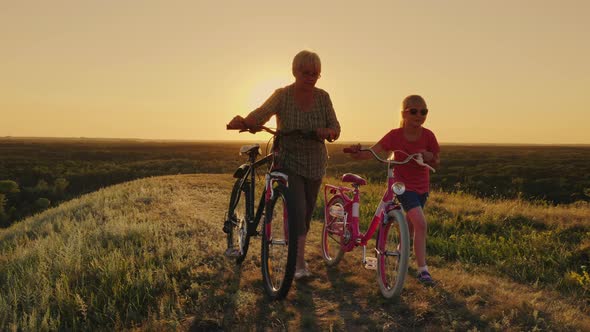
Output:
x,y
304,157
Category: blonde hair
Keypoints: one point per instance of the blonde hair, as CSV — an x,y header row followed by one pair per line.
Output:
x,y
406,102
304,58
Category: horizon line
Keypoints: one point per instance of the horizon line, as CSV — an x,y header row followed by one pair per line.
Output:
x,y
71,138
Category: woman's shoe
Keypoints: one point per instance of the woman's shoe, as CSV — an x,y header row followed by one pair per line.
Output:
x,y
302,273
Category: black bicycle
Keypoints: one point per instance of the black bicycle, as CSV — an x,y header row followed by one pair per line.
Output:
x,y
279,236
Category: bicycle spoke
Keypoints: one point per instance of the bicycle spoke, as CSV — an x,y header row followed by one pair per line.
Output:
x,y
392,255
279,247
333,234
235,224
336,239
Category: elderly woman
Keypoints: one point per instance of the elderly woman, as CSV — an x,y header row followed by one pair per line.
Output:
x,y
300,106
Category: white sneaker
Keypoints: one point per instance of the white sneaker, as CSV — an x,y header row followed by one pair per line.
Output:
x,y
302,273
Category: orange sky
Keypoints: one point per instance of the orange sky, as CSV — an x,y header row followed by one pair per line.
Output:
x,y
490,71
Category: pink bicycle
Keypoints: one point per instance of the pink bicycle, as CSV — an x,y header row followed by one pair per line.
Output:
x,y
341,232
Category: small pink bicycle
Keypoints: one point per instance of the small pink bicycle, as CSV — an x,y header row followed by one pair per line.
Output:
x,y
341,232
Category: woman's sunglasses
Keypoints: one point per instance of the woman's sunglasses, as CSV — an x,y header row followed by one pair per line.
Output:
x,y
415,111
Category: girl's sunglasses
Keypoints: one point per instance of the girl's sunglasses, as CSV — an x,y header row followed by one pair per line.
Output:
x,y
415,111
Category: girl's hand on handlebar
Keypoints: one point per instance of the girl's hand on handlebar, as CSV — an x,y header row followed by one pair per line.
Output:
x,y
427,156
419,158
353,149
356,153
430,158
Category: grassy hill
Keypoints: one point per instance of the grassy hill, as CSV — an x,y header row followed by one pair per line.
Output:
x,y
147,255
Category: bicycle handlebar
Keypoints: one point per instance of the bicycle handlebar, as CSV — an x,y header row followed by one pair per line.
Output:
x,y
253,130
416,156
309,134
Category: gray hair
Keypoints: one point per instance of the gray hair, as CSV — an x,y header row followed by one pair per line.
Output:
x,y
304,58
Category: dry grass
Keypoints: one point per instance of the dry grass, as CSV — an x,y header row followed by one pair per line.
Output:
x,y
148,255
570,215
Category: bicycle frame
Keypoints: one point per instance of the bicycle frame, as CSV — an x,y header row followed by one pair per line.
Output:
x,y
278,235
342,219
351,208
248,171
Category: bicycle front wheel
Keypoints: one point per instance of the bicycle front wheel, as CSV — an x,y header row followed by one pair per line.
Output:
x,y
279,245
393,251
236,224
334,232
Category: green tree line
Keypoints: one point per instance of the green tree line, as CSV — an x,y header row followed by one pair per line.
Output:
x,y
36,174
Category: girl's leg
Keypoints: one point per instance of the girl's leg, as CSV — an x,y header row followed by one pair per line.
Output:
x,y
418,221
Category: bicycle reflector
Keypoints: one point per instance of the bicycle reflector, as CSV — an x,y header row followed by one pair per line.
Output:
x,y
398,188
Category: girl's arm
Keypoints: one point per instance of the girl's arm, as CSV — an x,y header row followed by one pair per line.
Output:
x,y
431,157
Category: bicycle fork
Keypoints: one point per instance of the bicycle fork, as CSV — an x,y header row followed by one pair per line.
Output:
x,y
370,263
270,179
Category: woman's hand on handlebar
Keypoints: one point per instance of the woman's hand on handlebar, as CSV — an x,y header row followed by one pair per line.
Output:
x,y
239,123
328,134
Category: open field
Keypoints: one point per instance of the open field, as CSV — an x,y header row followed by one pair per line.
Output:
x,y
39,173
147,255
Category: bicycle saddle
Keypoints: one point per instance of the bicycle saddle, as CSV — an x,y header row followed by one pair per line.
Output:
x,y
349,177
248,148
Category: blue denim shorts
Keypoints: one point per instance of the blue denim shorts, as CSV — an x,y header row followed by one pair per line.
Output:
x,y
411,199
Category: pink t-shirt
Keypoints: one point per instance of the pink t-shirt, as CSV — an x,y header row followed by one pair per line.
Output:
x,y
415,177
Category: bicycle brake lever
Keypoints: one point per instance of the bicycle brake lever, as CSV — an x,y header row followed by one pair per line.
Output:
x,y
420,161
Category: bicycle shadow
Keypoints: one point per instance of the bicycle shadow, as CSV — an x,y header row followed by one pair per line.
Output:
x,y
229,309
460,309
357,315
336,299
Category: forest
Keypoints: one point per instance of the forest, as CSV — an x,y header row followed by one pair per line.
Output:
x,y
36,174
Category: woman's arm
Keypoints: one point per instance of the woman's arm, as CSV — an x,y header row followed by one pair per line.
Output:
x,y
332,130
262,114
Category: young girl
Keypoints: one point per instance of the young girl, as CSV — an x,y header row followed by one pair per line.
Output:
x,y
411,138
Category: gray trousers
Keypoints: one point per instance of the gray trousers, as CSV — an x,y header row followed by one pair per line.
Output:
x,y
304,193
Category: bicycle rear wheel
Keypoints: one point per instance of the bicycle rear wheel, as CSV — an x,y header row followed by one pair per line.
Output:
x,y
393,251
236,225
333,233
279,245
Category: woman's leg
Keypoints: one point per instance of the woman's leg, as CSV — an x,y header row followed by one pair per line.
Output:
x,y
298,201
304,192
312,188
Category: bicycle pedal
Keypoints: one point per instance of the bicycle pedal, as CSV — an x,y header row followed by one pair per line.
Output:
x,y
371,263
231,252
227,226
